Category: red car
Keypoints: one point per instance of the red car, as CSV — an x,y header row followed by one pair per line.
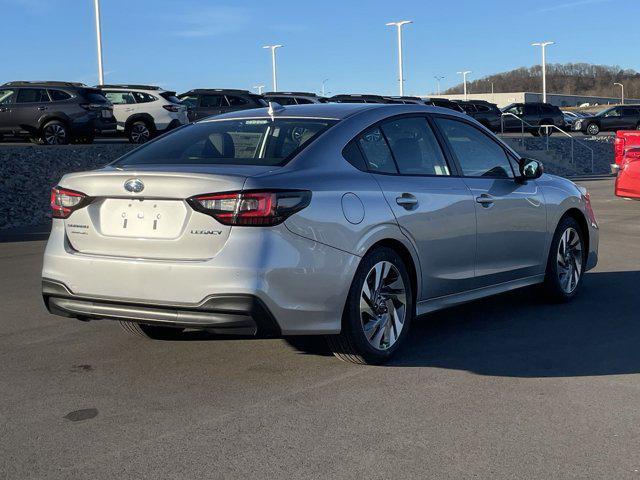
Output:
x,y
625,139
628,179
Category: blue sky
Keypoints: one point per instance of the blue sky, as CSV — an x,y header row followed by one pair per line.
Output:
x,y
205,43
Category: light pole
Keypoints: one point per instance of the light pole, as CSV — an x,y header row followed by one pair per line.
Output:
x,y
543,46
323,84
399,25
622,96
464,81
259,88
438,83
273,64
96,4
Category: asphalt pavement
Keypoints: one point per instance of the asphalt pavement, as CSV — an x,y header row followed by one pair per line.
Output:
x,y
504,388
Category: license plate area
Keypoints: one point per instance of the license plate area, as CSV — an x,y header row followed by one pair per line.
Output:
x,y
146,218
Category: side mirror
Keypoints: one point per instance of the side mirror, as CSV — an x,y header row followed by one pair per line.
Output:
x,y
531,169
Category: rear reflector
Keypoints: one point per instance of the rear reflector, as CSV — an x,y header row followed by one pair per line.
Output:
x,y
251,208
64,202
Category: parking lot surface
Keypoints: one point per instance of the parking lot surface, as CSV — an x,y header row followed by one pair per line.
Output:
x,y
507,387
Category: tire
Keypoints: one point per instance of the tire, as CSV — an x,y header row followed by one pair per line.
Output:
x,y
139,132
367,310
564,265
54,133
593,129
153,332
545,132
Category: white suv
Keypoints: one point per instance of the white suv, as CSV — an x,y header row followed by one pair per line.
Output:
x,y
142,111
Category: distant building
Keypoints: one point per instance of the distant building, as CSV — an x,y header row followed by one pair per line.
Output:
x,y
504,99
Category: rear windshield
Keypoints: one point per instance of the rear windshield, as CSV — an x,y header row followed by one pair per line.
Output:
x,y
94,96
230,142
171,97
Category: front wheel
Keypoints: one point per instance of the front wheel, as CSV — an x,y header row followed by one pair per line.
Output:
x,y
566,262
378,311
593,129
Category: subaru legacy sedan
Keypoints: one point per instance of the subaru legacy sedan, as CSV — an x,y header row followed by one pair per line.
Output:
x,y
340,220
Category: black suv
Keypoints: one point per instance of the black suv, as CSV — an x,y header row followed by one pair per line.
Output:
x,y
533,115
435,102
54,113
622,117
293,98
488,114
204,102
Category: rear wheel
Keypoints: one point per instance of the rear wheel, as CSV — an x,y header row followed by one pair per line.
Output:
x,y
54,133
593,129
566,262
378,311
154,332
139,132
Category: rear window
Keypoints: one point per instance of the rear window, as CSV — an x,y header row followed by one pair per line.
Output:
x,y
94,96
171,97
231,142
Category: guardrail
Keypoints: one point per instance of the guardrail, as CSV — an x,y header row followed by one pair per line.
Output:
x,y
548,134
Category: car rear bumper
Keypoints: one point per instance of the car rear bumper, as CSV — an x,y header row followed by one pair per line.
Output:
x,y
302,283
226,314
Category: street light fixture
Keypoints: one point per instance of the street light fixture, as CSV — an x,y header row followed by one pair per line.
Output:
x,y
622,96
464,81
259,88
543,46
438,78
323,84
399,27
273,64
96,4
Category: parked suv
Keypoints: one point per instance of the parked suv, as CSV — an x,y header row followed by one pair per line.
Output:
x,y
143,111
293,98
204,102
622,117
488,114
54,113
533,115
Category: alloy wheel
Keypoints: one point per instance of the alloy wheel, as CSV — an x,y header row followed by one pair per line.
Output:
x,y
593,129
55,134
140,133
569,260
383,305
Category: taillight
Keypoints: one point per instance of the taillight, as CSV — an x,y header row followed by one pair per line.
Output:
x,y
93,106
589,209
252,208
171,108
64,202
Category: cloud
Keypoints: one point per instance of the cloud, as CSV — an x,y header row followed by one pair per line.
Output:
x,y
577,3
207,22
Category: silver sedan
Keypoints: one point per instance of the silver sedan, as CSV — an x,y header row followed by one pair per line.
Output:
x,y
340,220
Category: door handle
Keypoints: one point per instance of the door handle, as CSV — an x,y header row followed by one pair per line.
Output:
x,y
42,108
485,200
407,201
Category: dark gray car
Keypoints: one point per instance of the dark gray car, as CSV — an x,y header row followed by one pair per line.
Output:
x,y
54,112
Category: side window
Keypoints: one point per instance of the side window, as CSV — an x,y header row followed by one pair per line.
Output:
x,y
32,95
478,154
212,101
376,151
614,112
58,95
630,112
120,98
282,100
515,110
482,108
352,154
190,100
6,96
236,101
415,147
467,107
303,101
531,109
142,97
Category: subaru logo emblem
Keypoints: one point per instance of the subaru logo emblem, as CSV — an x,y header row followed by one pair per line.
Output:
x,y
134,185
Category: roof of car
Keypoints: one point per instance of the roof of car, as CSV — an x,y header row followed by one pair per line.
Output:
x,y
130,86
337,111
30,83
197,91
290,94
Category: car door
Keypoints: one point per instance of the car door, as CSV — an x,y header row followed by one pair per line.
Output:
x,y
433,207
511,214
630,118
31,104
531,115
7,97
612,120
210,104
511,119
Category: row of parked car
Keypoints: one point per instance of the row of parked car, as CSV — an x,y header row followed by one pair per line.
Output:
x,y
62,112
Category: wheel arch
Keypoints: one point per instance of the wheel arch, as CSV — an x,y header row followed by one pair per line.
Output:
x,y
148,119
578,216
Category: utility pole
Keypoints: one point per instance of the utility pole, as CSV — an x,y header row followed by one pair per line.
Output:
x,y
622,96
273,64
438,78
400,73
96,4
543,46
464,81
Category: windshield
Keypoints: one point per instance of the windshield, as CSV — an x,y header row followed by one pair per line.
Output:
x,y
231,142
